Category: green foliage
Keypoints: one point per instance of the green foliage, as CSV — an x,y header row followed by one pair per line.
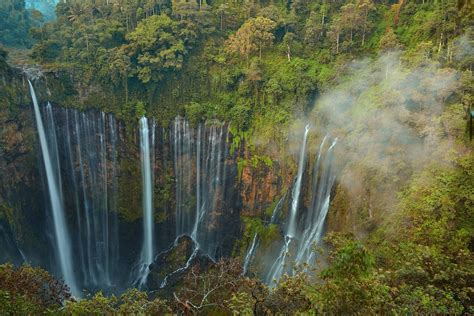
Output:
x,y
30,290
266,233
241,303
158,46
350,259
15,22
253,35
15,304
171,56
132,302
132,111
258,66
194,112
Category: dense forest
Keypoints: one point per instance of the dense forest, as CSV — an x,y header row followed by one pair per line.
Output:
x,y
392,80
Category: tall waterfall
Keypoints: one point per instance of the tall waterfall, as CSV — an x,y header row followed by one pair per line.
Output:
x,y
295,195
301,235
147,185
90,153
323,180
183,145
200,171
82,155
61,233
84,144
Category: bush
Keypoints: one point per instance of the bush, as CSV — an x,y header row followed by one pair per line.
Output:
x,y
30,288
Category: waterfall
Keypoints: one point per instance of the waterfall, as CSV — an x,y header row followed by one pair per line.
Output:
x,y
250,254
198,184
295,195
147,251
200,169
183,143
277,209
89,140
84,145
212,169
61,233
278,267
253,248
324,178
301,237
81,155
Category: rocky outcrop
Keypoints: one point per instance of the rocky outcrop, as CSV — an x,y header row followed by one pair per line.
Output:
x,y
171,265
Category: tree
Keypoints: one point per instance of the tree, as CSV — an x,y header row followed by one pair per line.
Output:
x,y
158,45
212,290
364,7
30,288
288,40
254,34
389,40
335,31
313,29
15,22
118,68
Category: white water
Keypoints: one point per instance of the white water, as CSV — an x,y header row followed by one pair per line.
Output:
x,y
90,179
147,250
200,169
314,224
60,226
276,210
183,142
303,236
297,188
250,254
279,266
198,185
183,268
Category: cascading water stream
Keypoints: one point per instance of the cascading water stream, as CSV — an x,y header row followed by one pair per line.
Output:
x,y
320,205
277,209
200,168
183,268
198,184
60,226
84,145
278,267
183,143
91,179
148,247
250,254
297,188
302,237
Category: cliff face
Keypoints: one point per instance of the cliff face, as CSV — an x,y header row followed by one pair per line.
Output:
x,y
201,188
99,159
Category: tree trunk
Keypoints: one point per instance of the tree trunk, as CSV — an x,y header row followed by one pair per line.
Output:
x,y
126,90
288,52
440,43
322,25
337,43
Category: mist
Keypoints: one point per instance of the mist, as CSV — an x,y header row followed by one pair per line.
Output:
x,y
389,118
